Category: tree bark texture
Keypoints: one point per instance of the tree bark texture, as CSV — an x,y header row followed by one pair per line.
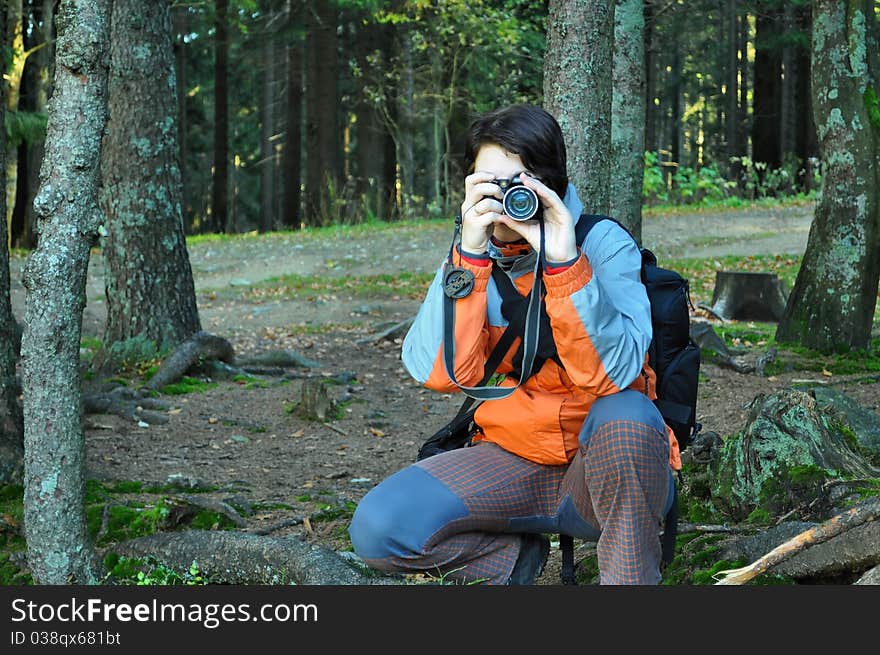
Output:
x,y
239,558
832,304
220,181
11,429
13,36
293,125
267,126
767,87
627,116
68,220
577,91
322,169
149,283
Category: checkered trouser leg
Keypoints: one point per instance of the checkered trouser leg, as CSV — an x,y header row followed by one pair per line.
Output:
x,y
627,478
617,483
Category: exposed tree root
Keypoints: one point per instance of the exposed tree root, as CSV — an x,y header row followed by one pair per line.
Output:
x,y
198,349
131,404
239,558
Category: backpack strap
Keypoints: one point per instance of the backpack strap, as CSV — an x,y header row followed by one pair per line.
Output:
x,y
513,305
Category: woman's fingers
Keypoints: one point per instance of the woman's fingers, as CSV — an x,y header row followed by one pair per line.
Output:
x,y
549,197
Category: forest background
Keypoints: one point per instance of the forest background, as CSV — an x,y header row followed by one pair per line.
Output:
x,y
211,120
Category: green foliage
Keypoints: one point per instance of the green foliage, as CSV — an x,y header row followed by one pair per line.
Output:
x,y
145,571
135,355
187,385
872,105
668,182
24,127
12,543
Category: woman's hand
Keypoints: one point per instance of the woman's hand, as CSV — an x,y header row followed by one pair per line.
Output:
x,y
559,239
479,211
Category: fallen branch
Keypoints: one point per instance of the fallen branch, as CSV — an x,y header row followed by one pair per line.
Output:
x,y
864,512
239,558
199,348
288,523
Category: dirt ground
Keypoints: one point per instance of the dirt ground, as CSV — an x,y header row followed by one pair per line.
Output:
x,y
242,438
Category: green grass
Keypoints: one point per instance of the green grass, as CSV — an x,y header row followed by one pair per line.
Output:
x,y
187,385
407,284
729,204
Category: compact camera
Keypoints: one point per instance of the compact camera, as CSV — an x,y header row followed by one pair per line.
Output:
x,y
519,201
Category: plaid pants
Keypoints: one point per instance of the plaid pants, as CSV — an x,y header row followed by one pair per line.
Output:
x,y
460,513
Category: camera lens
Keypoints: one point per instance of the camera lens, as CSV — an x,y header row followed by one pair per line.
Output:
x,y
520,203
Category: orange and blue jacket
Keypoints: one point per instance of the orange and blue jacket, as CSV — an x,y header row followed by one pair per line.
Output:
x,y
600,317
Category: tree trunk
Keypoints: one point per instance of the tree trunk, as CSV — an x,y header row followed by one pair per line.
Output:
x,y
731,111
322,182
405,109
220,186
181,27
767,88
577,91
832,304
676,109
650,48
787,115
267,131
627,117
744,77
14,37
68,221
806,145
149,283
11,435
370,152
293,119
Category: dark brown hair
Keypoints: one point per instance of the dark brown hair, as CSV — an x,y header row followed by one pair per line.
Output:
x,y
525,130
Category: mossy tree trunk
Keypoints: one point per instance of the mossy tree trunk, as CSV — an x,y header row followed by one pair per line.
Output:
x,y
577,91
68,221
148,279
11,435
628,115
832,304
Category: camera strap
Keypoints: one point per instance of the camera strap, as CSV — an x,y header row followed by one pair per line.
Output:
x,y
529,330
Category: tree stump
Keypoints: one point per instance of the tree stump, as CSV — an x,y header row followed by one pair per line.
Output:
x,y
789,448
315,404
746,296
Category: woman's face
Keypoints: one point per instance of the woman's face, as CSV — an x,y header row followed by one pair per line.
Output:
x,y
503,165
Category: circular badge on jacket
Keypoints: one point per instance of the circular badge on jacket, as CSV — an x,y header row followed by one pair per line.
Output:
x,y
458,282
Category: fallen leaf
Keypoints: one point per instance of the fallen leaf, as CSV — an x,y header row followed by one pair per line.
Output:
x,y
377,432
299,433
827,373
307,525
175,411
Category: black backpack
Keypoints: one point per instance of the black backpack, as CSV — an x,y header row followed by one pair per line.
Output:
x,y
672,354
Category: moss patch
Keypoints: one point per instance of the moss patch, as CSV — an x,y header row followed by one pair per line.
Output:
x,y
187,385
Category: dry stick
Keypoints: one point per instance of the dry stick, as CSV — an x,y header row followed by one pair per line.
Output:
x,y
864,512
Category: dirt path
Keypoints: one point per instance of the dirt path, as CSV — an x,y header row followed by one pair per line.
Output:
x,y
224,270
